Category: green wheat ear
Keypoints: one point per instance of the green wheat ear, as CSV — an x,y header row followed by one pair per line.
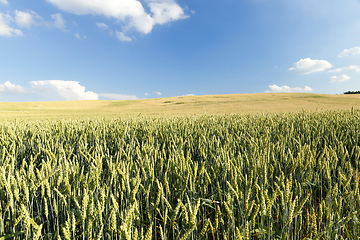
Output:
x,y
12,235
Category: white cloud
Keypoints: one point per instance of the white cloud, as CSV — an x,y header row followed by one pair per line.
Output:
x,y
118,96
121,36
165,11
285,89
131,13
351,51
62,90
187,95
29,18
351,67
106,27
59,22
78,36
158,93
4,1
51,90
8,87
102,25
5,29
307,65
26,19
342,78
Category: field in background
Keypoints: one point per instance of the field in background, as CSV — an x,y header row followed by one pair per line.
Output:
x,y
179,106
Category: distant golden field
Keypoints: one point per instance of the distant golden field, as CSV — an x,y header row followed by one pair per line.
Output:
x,y
179,106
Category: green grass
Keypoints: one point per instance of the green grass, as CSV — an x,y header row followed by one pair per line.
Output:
x,y
179,106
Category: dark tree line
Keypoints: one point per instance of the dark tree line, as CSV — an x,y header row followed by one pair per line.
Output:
x,y
352,92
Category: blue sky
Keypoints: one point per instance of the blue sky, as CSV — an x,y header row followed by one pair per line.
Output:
x,y
135,49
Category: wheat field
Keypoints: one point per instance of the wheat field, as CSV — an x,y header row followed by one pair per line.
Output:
x,y
236,176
